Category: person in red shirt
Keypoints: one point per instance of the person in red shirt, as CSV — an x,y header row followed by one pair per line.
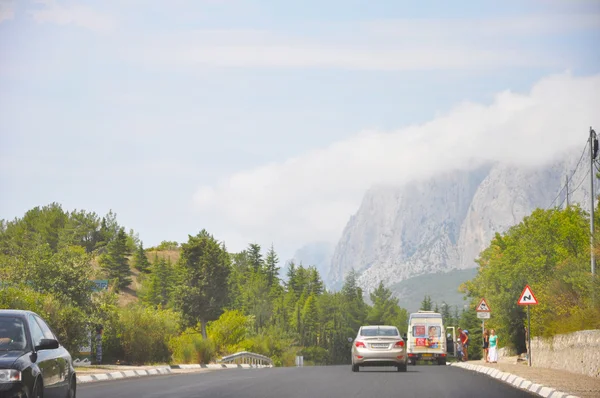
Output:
x,y
464,339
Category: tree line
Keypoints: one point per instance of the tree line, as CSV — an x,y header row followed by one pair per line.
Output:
x,y
197,300
50,257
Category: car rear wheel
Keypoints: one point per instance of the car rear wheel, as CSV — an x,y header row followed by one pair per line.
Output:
x,y
402,368
355,368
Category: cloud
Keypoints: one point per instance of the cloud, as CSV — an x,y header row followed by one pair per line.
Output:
x,y
486,28
72,14
269,49
7,10
387,45
311,197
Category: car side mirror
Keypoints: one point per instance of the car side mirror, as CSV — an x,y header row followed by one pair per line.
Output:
x,y
47,344
350,339
405,337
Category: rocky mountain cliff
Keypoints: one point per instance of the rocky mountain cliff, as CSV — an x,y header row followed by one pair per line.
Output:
x,y
443,223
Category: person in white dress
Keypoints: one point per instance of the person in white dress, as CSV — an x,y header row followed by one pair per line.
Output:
x,y
493,348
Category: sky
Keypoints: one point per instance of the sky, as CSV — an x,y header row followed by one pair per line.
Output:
x,y
266,121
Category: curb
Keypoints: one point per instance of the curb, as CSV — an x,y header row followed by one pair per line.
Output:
x,y
516,381
163,370
122,374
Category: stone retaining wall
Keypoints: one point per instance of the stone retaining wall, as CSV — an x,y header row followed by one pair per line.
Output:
x,y
577,352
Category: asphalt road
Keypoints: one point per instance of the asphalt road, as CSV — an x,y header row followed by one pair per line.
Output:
x,y
309,382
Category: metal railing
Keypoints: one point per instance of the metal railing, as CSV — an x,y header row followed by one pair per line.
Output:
x,y
245,357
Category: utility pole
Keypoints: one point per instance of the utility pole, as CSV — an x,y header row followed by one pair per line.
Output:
x,y
593,153
567,185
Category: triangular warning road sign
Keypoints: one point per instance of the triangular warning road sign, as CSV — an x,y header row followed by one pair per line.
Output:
x,y
527,297
483,306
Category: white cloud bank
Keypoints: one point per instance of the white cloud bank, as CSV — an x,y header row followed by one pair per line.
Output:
x,y
7,10
310,197
69,13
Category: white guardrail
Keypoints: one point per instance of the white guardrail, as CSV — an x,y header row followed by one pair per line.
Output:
x,y
245,357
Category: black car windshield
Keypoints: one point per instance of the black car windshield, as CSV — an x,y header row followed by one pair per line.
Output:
x,y
12,334
368,332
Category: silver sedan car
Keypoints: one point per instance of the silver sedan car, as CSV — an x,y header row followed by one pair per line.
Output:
x,y
379,346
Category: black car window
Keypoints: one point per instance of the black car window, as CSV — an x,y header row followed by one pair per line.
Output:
x,y
12,334
36,331
45,328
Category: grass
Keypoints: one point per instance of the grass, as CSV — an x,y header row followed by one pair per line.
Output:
x,y
129,294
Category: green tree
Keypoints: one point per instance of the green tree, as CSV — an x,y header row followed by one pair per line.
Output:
x,y
426,304
255,257
203,289
385,309
141,260
272,269
115,262
310,319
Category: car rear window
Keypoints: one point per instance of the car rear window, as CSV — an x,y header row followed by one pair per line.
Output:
x,y
370,332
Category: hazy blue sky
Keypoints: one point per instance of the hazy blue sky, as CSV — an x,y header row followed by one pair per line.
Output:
x,y
266,120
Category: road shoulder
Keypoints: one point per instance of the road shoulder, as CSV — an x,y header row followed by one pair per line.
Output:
x,y
548,383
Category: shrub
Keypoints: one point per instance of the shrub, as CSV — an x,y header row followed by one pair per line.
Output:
x,y
68,322
144,333
190,347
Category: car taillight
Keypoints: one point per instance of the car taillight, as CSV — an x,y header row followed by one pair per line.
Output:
x,y
359,344
399,344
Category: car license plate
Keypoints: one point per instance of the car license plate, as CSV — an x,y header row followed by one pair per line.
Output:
x,y
379,345
427,355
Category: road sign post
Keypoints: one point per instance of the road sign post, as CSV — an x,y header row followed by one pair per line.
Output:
x,y
483,312
527,298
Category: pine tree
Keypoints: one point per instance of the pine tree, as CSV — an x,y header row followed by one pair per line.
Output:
x,y
204,289
385,310
255,257
315,284
310,318
141,260
271,266
446,316
115,262
426,304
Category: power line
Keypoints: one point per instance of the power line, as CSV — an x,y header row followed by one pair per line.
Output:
x,y
578,186
570,178
582,180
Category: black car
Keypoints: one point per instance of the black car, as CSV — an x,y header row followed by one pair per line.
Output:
x,y
33,364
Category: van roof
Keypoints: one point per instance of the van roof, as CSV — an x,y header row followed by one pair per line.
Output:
x,y
427,314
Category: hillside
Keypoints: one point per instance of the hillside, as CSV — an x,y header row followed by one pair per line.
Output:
x,y
441,287
130,294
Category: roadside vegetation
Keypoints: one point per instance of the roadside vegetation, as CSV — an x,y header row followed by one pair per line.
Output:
x,y
549,251
185,303
195,302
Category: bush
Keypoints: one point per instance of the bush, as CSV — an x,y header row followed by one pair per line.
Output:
x,y
315,355
190,347
144,333
229,332
68,322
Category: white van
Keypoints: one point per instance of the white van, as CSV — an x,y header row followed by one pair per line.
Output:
x,y
426,337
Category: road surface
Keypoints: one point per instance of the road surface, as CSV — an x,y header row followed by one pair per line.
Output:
x,y
309,382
